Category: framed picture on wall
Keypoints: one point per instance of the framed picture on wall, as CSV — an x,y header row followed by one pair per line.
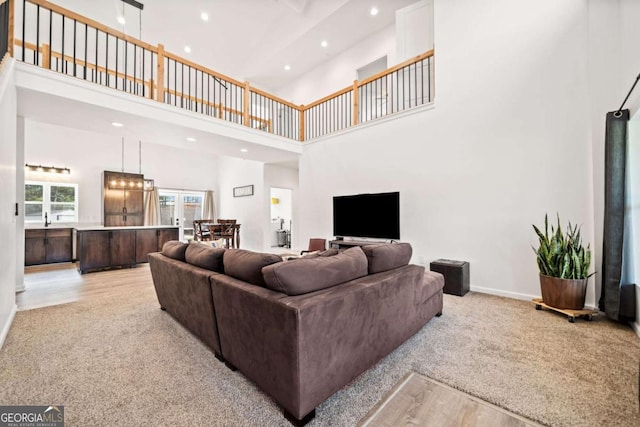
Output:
x,y
247,190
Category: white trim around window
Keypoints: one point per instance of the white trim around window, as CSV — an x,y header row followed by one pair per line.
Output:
x,y
59,200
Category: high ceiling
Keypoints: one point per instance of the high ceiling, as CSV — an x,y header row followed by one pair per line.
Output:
x,y
249,39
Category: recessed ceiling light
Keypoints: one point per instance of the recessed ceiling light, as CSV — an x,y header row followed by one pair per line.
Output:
x,y
204,16
244,150
287,67
187,49
373,11
324,43
190,139
118,125
121,20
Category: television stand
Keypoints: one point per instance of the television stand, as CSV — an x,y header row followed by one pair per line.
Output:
x,y
345,244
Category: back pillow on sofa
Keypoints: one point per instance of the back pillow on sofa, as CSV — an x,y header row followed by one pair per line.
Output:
x,y
306,274
386,256
246,265
325,253
328,252
205,256
174,249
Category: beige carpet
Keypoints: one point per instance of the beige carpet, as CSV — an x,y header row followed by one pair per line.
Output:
x,y
123,361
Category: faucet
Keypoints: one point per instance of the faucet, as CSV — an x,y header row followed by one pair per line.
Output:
x,y
46,222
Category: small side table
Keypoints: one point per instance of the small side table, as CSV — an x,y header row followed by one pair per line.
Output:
x,y
456,275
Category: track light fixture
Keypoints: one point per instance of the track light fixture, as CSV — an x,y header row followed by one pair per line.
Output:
x,y
47,169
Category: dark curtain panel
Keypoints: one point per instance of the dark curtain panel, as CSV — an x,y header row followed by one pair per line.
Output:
x,y
615,299
4,28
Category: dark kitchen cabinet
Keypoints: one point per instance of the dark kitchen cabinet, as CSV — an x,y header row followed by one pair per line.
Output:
x,y
46,246
165,235
148,241
122,247
100,249
93,250
122,206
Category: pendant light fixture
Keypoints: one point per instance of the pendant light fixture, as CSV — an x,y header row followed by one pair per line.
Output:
x,y
126,181
147,184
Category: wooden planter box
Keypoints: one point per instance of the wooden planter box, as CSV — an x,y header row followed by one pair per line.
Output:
x,y
563,293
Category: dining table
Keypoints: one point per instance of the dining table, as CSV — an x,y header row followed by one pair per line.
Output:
x,y
220,231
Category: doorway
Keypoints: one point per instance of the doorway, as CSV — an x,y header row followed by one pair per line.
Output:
x,y
180,208
281,213
373,98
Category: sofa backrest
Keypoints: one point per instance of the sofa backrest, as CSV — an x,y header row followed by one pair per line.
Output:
x,y
246,265
309,274
385,256
205,257
174,249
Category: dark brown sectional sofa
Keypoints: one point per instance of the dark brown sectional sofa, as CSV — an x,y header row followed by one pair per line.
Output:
x,y
301,329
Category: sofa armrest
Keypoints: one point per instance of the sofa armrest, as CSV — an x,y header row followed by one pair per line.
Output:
x,y
302,349
184,291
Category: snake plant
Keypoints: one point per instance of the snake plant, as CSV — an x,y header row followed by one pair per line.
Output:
x,y
562,255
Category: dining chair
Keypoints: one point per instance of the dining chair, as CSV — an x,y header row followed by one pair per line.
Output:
x,y
316,245
201,232
228,231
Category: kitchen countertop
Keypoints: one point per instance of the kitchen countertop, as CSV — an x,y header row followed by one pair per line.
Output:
x,y
42,227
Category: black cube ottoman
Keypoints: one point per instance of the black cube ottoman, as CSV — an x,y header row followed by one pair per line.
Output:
x,y
456,275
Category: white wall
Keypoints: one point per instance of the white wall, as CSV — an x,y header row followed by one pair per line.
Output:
x,y
507,141
249,211
19,184
414,30
88,154
341,71
284,177
8,223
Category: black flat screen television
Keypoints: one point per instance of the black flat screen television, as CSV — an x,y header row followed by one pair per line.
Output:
x,y
367,215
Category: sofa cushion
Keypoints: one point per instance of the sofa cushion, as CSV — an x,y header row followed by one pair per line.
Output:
x,y
386,256
174,249
309,274
328,252
205,256
246,265
219,243
315,254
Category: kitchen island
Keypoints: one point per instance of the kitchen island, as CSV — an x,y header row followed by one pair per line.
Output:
x,y
102,248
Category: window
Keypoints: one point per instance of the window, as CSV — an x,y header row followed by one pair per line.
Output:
x,y
58,200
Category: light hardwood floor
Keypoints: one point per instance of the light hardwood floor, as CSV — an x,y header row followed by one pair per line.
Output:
x,y
55,284
420,401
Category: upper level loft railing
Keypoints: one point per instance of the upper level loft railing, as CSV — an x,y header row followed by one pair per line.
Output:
x,y
61,40
4,28
407,85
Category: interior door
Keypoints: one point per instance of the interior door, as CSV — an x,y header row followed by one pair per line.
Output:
x,y
180,208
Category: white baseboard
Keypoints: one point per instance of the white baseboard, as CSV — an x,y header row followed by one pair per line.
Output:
x,y
7,326
501,293
514,295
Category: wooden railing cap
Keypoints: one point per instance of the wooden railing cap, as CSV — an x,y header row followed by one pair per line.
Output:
x,y
159,91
